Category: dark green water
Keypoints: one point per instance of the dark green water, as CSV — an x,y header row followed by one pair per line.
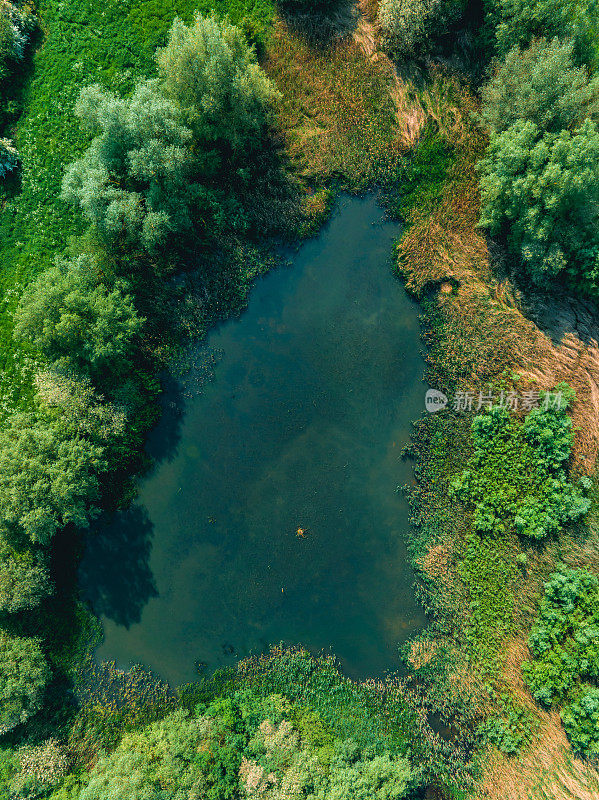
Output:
x,y
314,390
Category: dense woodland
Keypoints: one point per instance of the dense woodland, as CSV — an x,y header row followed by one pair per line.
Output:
x,y
145,141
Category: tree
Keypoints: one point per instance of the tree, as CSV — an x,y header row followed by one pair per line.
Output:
x,y
542,189
521,21
541,84
211,73
135,182
158,762
50,459
24,579
383,777
48,477
406,25
563,640
78,323
581,721
24,674
9,157
15,30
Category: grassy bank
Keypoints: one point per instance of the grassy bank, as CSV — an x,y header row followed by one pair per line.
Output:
x,y
482,591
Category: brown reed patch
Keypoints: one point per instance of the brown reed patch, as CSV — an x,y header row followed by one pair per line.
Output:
x,y
337,111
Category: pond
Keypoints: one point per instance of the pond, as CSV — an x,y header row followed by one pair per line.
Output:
x,y
272,514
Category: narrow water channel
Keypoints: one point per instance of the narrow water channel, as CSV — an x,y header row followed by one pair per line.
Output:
x,y
272,513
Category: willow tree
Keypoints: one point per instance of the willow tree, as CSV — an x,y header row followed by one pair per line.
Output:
x,y
210,72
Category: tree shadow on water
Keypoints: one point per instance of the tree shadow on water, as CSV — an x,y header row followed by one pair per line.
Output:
x,y
163,440
115,574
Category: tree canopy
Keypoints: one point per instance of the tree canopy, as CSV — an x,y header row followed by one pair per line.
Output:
x,y
78,323
24,579
543,85
521,21
24,674
542,189
210,72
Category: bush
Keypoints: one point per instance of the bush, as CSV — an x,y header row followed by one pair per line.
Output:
x,y
515,477
406,25
581,721
564,642
543,190
521,21
24,580
543,85
24,674
78,323
509,730
210,72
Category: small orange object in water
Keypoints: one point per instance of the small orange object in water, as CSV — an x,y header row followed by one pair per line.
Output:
x,y
301,533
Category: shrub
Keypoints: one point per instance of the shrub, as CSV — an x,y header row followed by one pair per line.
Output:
x,y
515,477
23,677
406,25
541,84
24,580
210,72
521,21
564,642
543,190
78,323
581,721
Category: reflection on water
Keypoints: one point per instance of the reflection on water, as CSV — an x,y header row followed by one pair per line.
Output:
x,y
301,429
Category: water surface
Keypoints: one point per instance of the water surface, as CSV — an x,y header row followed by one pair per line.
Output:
x,y
313,393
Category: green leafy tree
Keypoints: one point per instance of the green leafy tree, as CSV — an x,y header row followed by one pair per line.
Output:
x,y
521,21
24,579
541,84
383,777
210,72
563,639
15,31
50,459
24,674
78,323
48,477
564,643
135,181
542,189
581,721
161,761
